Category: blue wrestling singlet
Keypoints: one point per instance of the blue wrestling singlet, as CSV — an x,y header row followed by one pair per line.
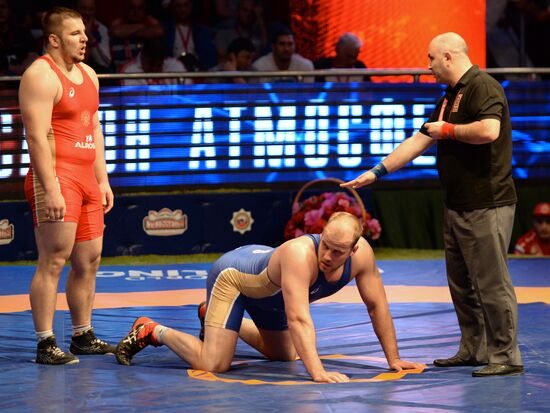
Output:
x,y
238,281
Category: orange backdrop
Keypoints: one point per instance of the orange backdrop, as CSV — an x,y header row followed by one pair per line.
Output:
x,y
395,33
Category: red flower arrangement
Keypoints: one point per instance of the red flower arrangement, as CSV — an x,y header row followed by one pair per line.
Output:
x,y
311,216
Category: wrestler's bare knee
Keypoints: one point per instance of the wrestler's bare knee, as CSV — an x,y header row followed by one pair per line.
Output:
x,y
220,367
52,264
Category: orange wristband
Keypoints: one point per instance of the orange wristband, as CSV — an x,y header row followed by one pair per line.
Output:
x,y
448,130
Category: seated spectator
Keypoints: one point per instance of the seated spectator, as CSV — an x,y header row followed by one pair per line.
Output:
x,y
503,45
238,58
248,24
537,240
129,32
223,13
31,20
192,43
16,44
283,58
536,26
98,47
346,55
152,59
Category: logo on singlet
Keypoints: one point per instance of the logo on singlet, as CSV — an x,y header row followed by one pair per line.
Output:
x,y
7,232
315,291
165,223
242,221
71,92
260,251
87,144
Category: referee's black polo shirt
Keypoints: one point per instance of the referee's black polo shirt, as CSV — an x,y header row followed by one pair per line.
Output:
x,y
475,176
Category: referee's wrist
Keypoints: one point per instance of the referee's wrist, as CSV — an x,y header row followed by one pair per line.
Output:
x,y
448,131
379,170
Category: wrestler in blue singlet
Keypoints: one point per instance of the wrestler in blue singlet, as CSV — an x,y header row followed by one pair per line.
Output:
x,y
238,281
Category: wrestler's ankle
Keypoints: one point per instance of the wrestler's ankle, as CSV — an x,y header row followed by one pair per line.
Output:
x,y
158,333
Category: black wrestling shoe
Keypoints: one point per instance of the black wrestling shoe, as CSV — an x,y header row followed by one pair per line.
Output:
x,y
139,337
201,313
47,352
87,343
493,369
456,361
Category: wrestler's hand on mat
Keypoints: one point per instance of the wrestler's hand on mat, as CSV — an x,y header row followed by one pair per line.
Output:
x,y
331,377
365,178
399,365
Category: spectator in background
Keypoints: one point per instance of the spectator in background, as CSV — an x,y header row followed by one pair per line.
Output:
x,y
129,32
503,45
239,57
98,47
30,18
152,59
187,41
16,44
249,24
283,58
347,51
537,240
537,28
223,13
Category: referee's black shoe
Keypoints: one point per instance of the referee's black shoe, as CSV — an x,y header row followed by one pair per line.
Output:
x,y
456,361
498,370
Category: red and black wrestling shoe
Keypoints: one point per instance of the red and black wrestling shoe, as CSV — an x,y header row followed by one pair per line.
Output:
x,y
201,313
140,336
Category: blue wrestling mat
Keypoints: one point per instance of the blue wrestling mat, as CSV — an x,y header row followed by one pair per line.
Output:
x,y
158,381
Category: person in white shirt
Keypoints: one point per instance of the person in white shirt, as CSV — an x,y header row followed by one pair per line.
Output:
x,y
239,57
98,47
188,41
249,23
283,58
152,59
346,56
130,31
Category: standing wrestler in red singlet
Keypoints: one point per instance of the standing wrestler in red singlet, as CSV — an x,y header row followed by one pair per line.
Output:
x,y
67,185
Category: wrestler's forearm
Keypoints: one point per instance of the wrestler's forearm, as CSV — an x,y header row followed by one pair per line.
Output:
x,y
100,166
42,162
303,337
385,331
100,172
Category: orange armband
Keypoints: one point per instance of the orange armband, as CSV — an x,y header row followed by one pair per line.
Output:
x,y
448,131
